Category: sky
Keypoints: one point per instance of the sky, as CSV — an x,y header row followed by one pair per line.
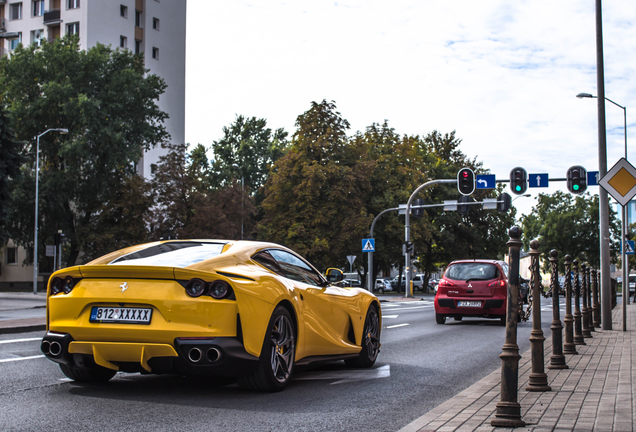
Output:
x,y
502,74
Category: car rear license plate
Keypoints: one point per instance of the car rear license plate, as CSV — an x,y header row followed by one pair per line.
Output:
x,y
122,315
464,303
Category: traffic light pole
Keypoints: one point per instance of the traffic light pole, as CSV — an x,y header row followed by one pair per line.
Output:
x,y
407,228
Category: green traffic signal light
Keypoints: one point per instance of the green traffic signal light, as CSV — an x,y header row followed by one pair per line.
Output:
x,y
575,187
518,188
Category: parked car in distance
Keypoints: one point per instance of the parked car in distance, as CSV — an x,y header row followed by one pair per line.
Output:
x,y
524,289
348,283
418,283
382,285
632,283
472,288
432,285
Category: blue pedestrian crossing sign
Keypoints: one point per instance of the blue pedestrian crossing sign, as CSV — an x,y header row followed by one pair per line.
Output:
x,y
629,247
538,180
485,181
368,245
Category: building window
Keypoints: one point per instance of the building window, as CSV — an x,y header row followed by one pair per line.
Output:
x,y
13,43
38,8
155,23
123,11
12,255
15,11
123,42
155,53
137,46
138,18
73,4
37,36
72,28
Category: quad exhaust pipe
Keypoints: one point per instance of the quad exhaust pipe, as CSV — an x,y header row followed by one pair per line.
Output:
x,y
195,355
213,355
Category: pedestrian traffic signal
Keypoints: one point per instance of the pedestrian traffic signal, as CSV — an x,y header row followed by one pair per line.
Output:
x,y
466,181
518,180
577,179
417,212
463,209
504,201
408,248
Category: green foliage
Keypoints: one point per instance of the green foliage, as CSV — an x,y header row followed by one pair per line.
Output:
x,y
10,160
570,225
314,198
251,145
107,101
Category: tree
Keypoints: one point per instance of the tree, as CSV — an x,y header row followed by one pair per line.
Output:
x,y
251,145
10,161
314,197
107,101
570,225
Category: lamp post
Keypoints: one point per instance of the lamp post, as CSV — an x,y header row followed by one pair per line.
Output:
x,y
242,195
605,301
37,176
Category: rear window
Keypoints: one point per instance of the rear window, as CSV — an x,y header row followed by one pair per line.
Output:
x,y
172,254
472,271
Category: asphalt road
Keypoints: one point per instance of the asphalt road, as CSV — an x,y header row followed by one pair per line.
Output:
x,y
421,364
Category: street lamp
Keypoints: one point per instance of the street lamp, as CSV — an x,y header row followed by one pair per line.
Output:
x,y
520,196
242,195
37,176
624,212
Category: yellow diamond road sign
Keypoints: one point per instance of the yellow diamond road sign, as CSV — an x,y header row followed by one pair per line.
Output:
x,y
620,181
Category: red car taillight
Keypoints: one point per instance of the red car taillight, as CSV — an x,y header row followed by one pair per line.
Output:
x,y
497,283
445,284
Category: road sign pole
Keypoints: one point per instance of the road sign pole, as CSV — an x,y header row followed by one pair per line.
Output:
x,y
625,267
407,229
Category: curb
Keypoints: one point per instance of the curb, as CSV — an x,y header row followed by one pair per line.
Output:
x,y
22,325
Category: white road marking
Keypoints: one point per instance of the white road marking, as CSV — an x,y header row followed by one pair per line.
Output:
x,y
398,325
390,316
21,358
20,340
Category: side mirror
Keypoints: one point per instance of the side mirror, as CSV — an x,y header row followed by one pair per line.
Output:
x,y
334,275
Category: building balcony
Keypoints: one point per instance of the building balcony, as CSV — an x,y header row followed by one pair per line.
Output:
x,y
52,17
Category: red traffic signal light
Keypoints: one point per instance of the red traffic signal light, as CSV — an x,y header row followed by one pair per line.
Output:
x,y
577,179
466,181
518,180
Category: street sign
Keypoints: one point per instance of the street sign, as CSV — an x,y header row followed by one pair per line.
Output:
x,y
620,182
368,245
450,205
490,203
351,259
538,180
592,178
629,247
50,250
485,181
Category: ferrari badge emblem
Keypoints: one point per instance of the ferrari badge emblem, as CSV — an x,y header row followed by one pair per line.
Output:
x,y
124,286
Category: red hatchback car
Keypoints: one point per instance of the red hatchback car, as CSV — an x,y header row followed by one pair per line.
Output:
x,y
472,288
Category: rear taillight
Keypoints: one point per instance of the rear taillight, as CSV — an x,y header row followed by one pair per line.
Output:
x,y
56,286
497,283
444,284
68,284
195,288
218,289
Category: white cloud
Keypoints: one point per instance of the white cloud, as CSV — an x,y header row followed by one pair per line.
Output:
x,y
503,75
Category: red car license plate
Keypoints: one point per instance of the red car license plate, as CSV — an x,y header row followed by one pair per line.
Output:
x,y
465,303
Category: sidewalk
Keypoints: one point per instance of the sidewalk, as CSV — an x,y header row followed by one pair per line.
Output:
x,y
22,312
596,393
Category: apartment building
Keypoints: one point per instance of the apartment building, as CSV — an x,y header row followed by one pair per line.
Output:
x,y
155,28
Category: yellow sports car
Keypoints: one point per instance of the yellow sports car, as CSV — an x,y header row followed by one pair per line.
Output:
x,y
243,309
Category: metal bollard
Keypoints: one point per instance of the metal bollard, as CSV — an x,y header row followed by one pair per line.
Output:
x,y
538,380
578,329
508,409
557,361
596,308
585,311
568,347
588,284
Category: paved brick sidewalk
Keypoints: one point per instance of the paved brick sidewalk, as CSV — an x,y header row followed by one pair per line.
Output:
x,y
596,393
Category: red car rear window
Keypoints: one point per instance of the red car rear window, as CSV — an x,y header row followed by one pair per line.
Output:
x,y
472,271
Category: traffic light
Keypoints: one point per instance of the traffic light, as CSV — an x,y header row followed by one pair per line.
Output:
x,y
466,181
504,202
418,212
463,209
408,247
577,179
518,180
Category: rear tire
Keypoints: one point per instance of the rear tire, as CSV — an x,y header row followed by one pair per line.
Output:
x,y
502,320
87,375
439,319
458,318
370,341
277,355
